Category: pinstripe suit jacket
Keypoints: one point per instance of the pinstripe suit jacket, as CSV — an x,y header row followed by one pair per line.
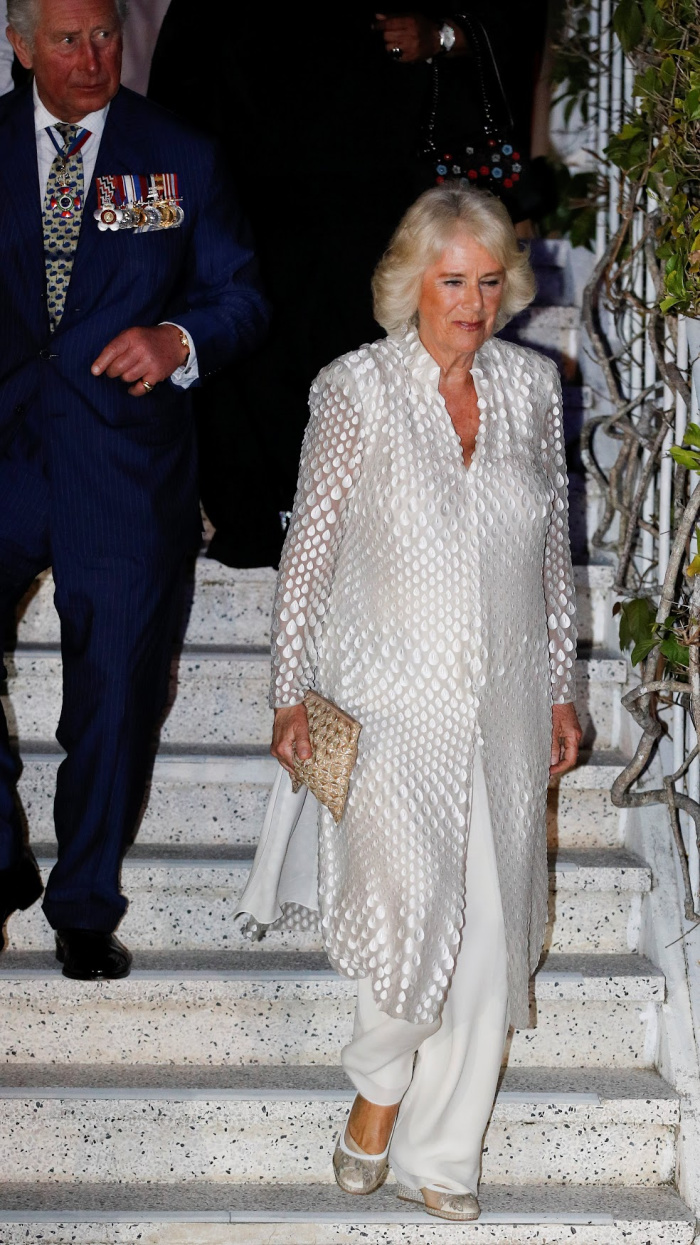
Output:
x,y
122,469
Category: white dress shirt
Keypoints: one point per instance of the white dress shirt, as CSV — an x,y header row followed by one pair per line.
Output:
x,y
45,154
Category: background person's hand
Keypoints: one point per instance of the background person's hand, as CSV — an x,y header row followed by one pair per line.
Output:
x,y
566,739
417,36
290,736
142,354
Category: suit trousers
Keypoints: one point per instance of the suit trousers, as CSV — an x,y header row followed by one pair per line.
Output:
x,y
118,618
444,1074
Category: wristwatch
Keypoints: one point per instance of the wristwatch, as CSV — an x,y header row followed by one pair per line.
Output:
x,y
447,37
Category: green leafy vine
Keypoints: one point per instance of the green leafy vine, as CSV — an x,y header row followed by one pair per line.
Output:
x,y
658,147
646,277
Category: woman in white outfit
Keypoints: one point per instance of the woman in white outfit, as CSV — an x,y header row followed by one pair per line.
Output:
x,y
426,588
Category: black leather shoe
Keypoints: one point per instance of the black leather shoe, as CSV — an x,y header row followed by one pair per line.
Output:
x,y
20,887
92,955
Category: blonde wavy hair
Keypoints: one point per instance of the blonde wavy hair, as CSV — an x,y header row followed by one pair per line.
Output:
x,y
422,235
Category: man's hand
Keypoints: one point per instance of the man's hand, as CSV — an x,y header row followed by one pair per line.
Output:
x,y
290,736
416,36
139,355
566,738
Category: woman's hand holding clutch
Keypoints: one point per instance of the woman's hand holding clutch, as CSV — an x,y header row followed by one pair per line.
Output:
x,y
290,736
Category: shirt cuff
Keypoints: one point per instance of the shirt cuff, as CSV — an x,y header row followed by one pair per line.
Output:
x,y
189,372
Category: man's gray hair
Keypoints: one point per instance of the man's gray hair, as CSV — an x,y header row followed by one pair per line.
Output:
x,y
22,16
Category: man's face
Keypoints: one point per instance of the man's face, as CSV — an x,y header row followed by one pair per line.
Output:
x,y
76,55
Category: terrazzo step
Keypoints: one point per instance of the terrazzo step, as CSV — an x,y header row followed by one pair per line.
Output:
x,y
595,901
219,798
267,1008
179,900
122,1124
220,697
223,606
593,582
552,265
600,676
553,330
204,1213
231,607
580,813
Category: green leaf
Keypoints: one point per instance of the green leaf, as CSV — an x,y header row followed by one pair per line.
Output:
x,y
629,149
692,104
642,650
675,283
665,34
694,568
583,228
628,24
675,652
630,130
637,621
667,70
685,458
691,436
648,83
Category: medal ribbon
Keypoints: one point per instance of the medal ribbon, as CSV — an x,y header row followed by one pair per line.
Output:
x,y
129,188
166,186
79,141
137,201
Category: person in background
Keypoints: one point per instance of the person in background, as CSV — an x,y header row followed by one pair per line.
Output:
x,y
7,54
141,31
322,115
109,313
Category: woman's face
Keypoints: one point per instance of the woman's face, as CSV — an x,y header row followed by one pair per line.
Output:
x,y
460,297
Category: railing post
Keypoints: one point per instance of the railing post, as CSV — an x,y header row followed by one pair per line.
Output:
x,y
601,9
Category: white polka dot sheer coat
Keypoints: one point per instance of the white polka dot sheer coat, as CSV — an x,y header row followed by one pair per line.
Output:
x,y
435,603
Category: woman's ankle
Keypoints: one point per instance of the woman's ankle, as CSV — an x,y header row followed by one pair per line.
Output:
x,y
370,1125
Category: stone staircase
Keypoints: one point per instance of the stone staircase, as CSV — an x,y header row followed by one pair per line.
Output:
x,y
198,1100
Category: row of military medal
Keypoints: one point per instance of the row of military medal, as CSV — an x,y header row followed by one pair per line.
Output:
x,y
138,203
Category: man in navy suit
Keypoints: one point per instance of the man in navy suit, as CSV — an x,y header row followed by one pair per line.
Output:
x,y
124,279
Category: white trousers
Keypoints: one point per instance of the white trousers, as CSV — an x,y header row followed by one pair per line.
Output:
x,y
444,1074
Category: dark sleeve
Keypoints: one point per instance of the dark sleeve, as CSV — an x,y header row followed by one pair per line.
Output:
x,y
516,32
220,300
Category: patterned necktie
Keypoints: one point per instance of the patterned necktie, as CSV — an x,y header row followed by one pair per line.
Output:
x,y
63,213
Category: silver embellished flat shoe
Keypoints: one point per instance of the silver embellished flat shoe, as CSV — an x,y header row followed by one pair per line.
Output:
x,y
355,1171
443,1204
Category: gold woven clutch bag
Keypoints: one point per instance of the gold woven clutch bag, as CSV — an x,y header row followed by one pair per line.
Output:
x,y
334,737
